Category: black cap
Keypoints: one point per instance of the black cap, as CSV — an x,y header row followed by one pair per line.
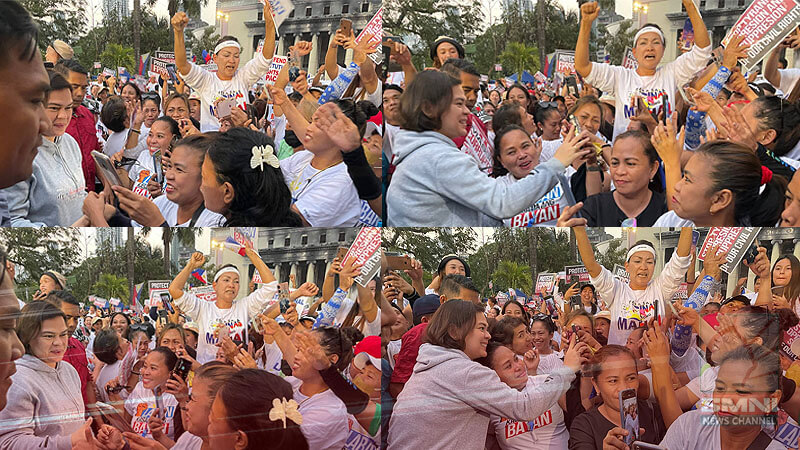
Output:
x,y
427,304
449,40
449,258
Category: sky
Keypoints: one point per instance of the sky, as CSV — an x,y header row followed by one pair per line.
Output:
x,y
88,246
495,7
207,13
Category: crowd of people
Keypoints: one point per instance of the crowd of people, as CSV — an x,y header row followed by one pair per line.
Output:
x,y
221,148
293,366
614,363
693,141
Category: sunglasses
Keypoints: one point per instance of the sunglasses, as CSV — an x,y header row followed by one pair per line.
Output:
x,y
548,104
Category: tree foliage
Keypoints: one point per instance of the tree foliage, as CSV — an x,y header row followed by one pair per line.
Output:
x,y
614,254
155,34
425,20
110,285
512,275
518,57
65,20
116,55
615,43
206,41
428,245
36,250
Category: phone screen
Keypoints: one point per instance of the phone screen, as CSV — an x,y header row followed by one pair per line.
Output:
x,y
629,414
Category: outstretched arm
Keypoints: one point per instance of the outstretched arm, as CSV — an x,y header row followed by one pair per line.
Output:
x,y
589,12
179,22
586,251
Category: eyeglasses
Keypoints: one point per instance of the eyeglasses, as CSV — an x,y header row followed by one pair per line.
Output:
x,y
548,104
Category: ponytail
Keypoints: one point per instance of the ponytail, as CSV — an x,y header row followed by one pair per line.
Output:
x,y
775,113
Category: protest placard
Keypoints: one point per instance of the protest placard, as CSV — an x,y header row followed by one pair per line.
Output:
x,y
245,236
165,56
159,66
545,283
734,240
97,65
687,35
575,274
365,251
477,145
156,288
275,68
109,72
682,293
790,342
257,278
205,292
764,24
280,10
374,27
498,67
628,60
565,62
621,273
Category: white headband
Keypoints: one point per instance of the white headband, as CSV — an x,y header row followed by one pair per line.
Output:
x,y
222,45
228,269
640,248
646,30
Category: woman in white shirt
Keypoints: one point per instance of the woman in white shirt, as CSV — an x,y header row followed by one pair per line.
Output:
x,y
648,80
228,82
225,311
632,304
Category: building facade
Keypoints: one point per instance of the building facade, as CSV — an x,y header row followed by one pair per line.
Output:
x,y
311,20
306,253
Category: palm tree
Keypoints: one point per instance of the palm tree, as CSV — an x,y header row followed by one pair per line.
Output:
x,y
185,236
512,275
190,7
110,285
115,55
137,33
519,56
130,252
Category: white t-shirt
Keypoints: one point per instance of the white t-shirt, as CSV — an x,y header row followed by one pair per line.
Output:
x,y
690,431
324,418
367,328
144,166
789,79
543,212
671,219
624,83
546,432
169,210
274,356
358,438
549,149
107,373
629,308
327,197
210,88
392,350
115,142
703,387
188,441
141,404
206,314
549,363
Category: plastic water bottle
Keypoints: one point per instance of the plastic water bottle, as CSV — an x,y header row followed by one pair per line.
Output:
x,y
330,308
682,337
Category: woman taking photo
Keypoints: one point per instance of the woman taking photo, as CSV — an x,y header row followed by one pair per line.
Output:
x,y
242,181
636,195
589,177
632,304
786,277
43,386
228,82
721,186
447,378
121,323
613,371
437,184
547,431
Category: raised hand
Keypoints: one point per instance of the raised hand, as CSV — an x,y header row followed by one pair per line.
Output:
x,y
339,128
196,261
667,141
531,359
566,219
572,148
733,51
307,289
179,21
589,11
312,351
303,48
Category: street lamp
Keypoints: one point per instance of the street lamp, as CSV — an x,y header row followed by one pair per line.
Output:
x,y
222,16
639,9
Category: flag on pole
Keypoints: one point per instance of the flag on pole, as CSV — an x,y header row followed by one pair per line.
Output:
x,y
144,63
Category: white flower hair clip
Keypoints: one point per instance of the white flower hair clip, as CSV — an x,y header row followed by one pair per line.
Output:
x,y
264,154
283,409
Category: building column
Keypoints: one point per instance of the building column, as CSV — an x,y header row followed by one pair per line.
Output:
x,y
732,279
279,50
313,57
293,272
277,272
296,39
776,251
348,57
310,273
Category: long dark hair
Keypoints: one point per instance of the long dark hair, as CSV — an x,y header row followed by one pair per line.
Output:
x,y
498,170
736,168
261,196
649,151
782,116
792,290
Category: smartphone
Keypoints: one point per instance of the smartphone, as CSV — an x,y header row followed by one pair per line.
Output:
x,y
105,169
751,254
656,313
283,297
340,252
162,314
398,262
638,445
576,126
171,70
778,290
665,108
641,106
629,415
575,302
166,299
182,368
159,403
630,222
572,85
225,107
695,238
346,25
294,72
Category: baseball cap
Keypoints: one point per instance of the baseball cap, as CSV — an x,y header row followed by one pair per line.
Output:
x,y
449,40
369,349
449,258
603,315
63,49
427,304
192,326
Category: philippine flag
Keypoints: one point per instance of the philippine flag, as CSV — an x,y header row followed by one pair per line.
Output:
x,y
199,274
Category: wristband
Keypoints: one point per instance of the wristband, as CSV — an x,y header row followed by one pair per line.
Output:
x,y
135,131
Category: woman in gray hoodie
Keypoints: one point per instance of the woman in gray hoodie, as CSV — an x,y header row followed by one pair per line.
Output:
x,y
45,408
452,395
436,184
54,193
